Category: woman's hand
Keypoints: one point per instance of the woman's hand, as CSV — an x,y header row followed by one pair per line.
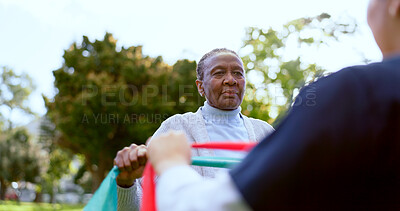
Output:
x,y
130,161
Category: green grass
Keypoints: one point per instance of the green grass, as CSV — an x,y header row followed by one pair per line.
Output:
x,y
29,206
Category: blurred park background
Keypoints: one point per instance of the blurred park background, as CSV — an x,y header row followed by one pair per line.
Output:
x,y
79,80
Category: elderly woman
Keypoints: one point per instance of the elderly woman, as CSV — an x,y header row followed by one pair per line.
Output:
x,y
221,79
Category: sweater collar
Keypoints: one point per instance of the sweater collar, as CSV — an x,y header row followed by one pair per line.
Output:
x,y
209,111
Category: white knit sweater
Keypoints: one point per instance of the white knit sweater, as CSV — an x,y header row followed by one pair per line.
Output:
x,y
194,126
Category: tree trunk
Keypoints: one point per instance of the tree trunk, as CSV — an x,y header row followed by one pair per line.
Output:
x,y
52,194
99,173
18,195
39,197
96,180
3,189
52,198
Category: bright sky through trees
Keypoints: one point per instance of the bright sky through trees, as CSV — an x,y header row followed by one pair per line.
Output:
x,y
34,34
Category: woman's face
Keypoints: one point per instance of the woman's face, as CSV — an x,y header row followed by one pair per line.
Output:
x,y
224,81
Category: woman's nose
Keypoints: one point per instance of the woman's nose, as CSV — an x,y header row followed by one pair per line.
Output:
x,y
229,79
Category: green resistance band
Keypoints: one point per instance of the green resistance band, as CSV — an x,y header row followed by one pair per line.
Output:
x,y
219,162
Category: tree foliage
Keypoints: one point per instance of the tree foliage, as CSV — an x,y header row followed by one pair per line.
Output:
x,y
18,156
109,98
57,159
279,76
14,91
19,159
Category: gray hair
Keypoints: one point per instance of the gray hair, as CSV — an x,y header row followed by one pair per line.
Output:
x,y
200,65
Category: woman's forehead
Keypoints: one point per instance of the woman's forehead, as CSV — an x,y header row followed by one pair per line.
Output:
x,y
223,58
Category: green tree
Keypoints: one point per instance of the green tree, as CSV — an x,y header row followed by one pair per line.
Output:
x,y
108,98
281,78
18,159
18,156
14,91
57,161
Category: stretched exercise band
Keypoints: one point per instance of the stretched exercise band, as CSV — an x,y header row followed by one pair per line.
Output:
x,y
149,199
220,162
105,198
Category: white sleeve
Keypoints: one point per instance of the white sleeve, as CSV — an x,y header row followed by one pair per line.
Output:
x,y
181,188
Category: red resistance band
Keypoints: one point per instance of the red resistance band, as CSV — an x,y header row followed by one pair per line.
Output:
x,y
149,190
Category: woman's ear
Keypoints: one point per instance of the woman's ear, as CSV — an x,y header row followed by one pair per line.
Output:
x,y
200,88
